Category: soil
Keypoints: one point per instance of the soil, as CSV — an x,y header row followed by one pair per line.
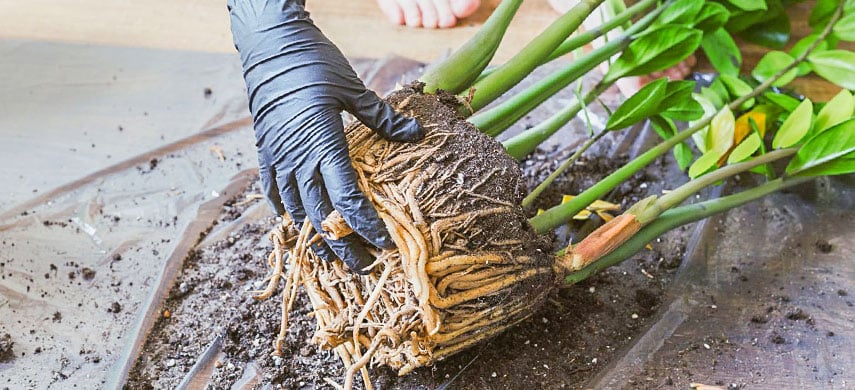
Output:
x,y
577,332
6,352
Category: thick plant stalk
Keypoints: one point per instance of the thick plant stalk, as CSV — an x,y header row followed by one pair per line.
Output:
x,y
526,142
609,236
677,217
579,40
530,57
497,119
457,72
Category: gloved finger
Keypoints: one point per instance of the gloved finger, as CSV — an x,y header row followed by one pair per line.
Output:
x,y
323,251
341,184
271,190
382,118
317,207
289,194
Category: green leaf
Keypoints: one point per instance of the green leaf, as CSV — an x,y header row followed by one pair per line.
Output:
x,y
818,154
740,20
838,109
722,52
663,126
639,106
802,45
679,12
666,129
716,93
748,5
845,28
738,88
772,63
707,162
787,102
678,103
837,66
687,110
745,149
773,32
658,49
822,12
795,127
839,166
683,154
711,17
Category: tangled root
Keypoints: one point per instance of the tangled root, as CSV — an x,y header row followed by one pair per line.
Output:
x,y
467,264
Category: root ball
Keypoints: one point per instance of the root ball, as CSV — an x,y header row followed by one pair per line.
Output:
x,y
467,265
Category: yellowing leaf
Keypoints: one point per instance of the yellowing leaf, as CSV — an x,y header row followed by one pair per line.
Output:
x,y
597,206
720,136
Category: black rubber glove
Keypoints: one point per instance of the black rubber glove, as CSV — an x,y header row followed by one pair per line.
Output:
x,y
298,83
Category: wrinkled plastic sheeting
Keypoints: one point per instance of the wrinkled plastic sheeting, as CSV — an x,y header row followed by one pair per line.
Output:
x,y
108,155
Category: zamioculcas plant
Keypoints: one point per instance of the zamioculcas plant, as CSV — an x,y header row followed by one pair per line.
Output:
x,y
468,263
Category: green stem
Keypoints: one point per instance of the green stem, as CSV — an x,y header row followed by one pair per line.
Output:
x,y
524,143
678,195
566,164
458,71
531,56
587,37
496,120
678,217
558,215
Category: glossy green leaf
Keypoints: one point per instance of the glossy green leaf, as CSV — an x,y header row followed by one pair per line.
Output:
x,y
845,28
707,162
795,127
722,52
738,88
745,149
716,93
834,144
838,109
748,5
679,11
656,50
666,129
711,17
740,20
787,102
687,110
837,66
773,32
772,63
663,126
678,103
683,154
639,106
802,45
839,166
822,12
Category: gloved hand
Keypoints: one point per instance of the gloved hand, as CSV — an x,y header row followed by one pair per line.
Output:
x,y
298,83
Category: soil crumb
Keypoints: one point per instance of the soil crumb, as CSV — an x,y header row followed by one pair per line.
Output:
x,y
6,352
